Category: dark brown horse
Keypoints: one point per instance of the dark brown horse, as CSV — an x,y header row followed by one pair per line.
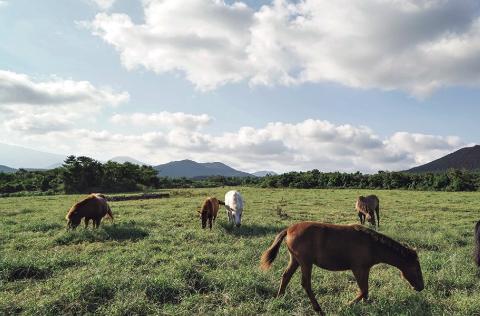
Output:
x,y
477,243
94,207
366,206
209,211
339,248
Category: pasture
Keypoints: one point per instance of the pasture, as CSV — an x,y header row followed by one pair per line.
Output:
x,y
156,259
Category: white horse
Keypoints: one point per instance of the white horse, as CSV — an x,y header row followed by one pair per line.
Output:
x,y
234,205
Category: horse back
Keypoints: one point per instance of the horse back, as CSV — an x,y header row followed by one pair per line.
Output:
x,y
332,247
91,207
234,200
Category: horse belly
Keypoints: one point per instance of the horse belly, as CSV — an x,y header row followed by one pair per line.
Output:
x,y
334,263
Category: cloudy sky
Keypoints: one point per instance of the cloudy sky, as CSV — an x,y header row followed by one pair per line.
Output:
x,y
279,85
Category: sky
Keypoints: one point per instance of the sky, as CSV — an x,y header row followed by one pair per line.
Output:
x,y
280,85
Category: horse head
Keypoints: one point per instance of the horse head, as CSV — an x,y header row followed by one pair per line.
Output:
x,y
412,272
203,217
73,220
237,217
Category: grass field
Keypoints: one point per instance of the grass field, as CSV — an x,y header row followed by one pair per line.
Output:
x,y
157,260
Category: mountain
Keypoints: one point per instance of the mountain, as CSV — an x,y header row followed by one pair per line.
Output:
x,y
264,173
6,169
123,159
192,169
466,158
20,157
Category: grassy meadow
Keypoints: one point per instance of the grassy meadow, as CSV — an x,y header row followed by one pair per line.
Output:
x,y
156,259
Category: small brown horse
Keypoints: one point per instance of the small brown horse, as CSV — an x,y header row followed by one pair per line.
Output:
x,y
477,243
339,248
94,207
365,206
209,211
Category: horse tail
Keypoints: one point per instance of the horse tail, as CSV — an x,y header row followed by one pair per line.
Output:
x,y
221,202
271,253
477,243
109,212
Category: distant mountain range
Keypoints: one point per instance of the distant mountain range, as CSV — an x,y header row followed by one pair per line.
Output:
x,y
123,159
264,173
467,158
21,157
15,157
192,169
6,169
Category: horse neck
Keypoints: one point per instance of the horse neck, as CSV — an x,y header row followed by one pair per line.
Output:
x,y
389,256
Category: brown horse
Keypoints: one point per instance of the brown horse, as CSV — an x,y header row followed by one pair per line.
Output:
x,y
94,207
339,248
477,243
365,206
209,211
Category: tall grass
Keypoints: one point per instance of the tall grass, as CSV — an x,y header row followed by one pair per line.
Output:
x,y
156,259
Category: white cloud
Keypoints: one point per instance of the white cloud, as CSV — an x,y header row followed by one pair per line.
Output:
x,y
413,46
33,106
104,4
161,119
277,146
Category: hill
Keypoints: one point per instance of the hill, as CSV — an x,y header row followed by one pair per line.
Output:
x,y
21,157
193,169
264,173
6,169
467,158
123,159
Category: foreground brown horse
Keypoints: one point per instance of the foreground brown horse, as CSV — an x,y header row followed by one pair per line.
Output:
x,y
477,243
339,248
209,211
366,206
94,207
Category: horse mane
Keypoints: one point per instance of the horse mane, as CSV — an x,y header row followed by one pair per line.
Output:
x,y
403,251
207,205
362,203
477,243
74,208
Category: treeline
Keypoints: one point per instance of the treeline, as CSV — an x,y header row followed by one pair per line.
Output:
x,y
85,175
81,175
452,180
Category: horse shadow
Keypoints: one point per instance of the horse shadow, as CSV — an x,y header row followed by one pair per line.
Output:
x,y
249,230
125,231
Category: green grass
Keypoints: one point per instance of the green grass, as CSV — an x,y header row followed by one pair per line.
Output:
x,y
156,259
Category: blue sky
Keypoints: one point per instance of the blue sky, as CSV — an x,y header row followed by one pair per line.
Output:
x,y
282,85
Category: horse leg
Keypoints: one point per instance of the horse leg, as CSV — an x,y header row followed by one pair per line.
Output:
x,y
210,223
360,217
97,222
307,286
377,210
229,214
361,275
86,222
287,275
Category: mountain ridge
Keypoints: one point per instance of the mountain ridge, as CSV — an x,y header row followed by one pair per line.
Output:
x,y
192,169
467,158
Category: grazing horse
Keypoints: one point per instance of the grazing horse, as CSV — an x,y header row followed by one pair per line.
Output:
x,y
365,206
234,205
477,243
209,210
93,207
339,248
